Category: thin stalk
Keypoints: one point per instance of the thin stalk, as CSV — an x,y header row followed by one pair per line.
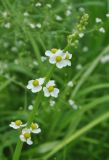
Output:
x,y
77,134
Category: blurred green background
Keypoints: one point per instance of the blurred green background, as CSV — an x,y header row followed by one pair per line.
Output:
x,y
75,126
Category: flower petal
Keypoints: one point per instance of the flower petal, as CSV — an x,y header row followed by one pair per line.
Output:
x,y
38,130
60,64
48,53
36,89
29,141
22,138
30,85
41,81
55,92
50,83
46,93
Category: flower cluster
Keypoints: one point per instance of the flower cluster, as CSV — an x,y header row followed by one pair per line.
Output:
x,y
59,57
25,135
49,89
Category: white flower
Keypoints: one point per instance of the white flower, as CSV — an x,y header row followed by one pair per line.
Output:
x,y
85,49
79,67
51,52
52,103
81,35
107,15
58,59
98,20
58,18
7,25
26,14
38,4
32,25
38,25
102,30
105,59
68,12
35,85
67,58
72,104
26,136
35,128
49,5
50,89
30,107
70,84
17,124
43,59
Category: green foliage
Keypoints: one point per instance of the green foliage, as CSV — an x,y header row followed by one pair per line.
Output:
x,y
78,131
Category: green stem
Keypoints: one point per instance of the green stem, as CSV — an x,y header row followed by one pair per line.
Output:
x,y
18,149
77,134
32,115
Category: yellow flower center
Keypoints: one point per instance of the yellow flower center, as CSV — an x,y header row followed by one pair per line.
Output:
x,y
18,122
35,83
34,126
27,135
54,50
58,58
67,56
51,88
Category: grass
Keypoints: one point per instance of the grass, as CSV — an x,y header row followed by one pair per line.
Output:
x,y
67,133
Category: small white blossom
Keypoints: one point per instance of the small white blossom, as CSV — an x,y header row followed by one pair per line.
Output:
x,y
5,14
105,59
58,18
43,59
98,20
85,49
38,25
26,14
72,104
30,107
81,35
67,59
51,52
52,103
68,12
7,25
107,15
49,5
102,30
17,124
35,128
70,84
58,59
38,4
35,85
32,25
79,67
50,89
26,136
81,9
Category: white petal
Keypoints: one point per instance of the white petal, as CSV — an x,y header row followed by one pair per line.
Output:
x,y
67,62
26,130
22,138
48,53
36,89
50,83
38,130
52,59
46,93
13,125
55,92
29,141
30,85
41,81
23,125
60,64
